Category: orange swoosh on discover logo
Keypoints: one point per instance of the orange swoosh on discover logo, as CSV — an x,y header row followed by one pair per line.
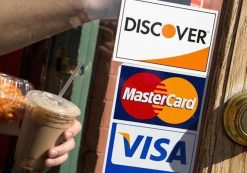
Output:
x,y
196,60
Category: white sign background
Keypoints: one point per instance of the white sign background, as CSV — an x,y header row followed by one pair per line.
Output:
x,y
134,47
119,158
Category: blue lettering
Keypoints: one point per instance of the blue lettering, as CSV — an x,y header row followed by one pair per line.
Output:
x,y
130,151
160,149
146,147
178,152
180,146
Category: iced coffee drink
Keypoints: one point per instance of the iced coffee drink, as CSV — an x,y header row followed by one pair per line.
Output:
x,y
46,117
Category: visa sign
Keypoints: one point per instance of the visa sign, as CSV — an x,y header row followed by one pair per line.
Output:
x,y
153,149
177,153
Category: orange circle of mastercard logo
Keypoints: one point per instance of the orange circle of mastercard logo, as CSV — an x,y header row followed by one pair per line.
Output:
x,y
181,101
168,31
145,96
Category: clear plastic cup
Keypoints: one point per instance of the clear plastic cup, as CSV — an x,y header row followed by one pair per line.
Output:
x,y
46,117
12,93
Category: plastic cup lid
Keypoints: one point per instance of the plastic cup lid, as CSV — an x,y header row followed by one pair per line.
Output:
x,y
52,103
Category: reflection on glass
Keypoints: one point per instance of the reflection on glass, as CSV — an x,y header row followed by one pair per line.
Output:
x,y
209,4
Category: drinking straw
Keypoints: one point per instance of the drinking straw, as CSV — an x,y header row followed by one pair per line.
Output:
x,y
69,81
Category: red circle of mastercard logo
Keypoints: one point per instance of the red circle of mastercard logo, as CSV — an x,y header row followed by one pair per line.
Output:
x,y
140,84
145,96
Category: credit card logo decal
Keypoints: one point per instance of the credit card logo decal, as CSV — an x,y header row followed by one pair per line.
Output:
x,y
145,95
165,34
141,149
159,98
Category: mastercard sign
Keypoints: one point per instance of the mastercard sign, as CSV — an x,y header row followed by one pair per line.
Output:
x,y
159,98
165,34
165,99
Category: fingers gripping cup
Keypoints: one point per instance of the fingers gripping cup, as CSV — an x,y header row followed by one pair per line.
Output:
x,y
46,117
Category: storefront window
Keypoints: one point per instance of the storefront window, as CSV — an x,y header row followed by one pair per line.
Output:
x,y
209,4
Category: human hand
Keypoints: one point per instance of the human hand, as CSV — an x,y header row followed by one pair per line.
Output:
x,y
59,154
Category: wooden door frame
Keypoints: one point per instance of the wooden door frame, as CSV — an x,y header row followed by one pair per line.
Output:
x,y
217,153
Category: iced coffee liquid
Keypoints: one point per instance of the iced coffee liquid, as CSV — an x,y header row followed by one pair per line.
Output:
x,y
46,117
